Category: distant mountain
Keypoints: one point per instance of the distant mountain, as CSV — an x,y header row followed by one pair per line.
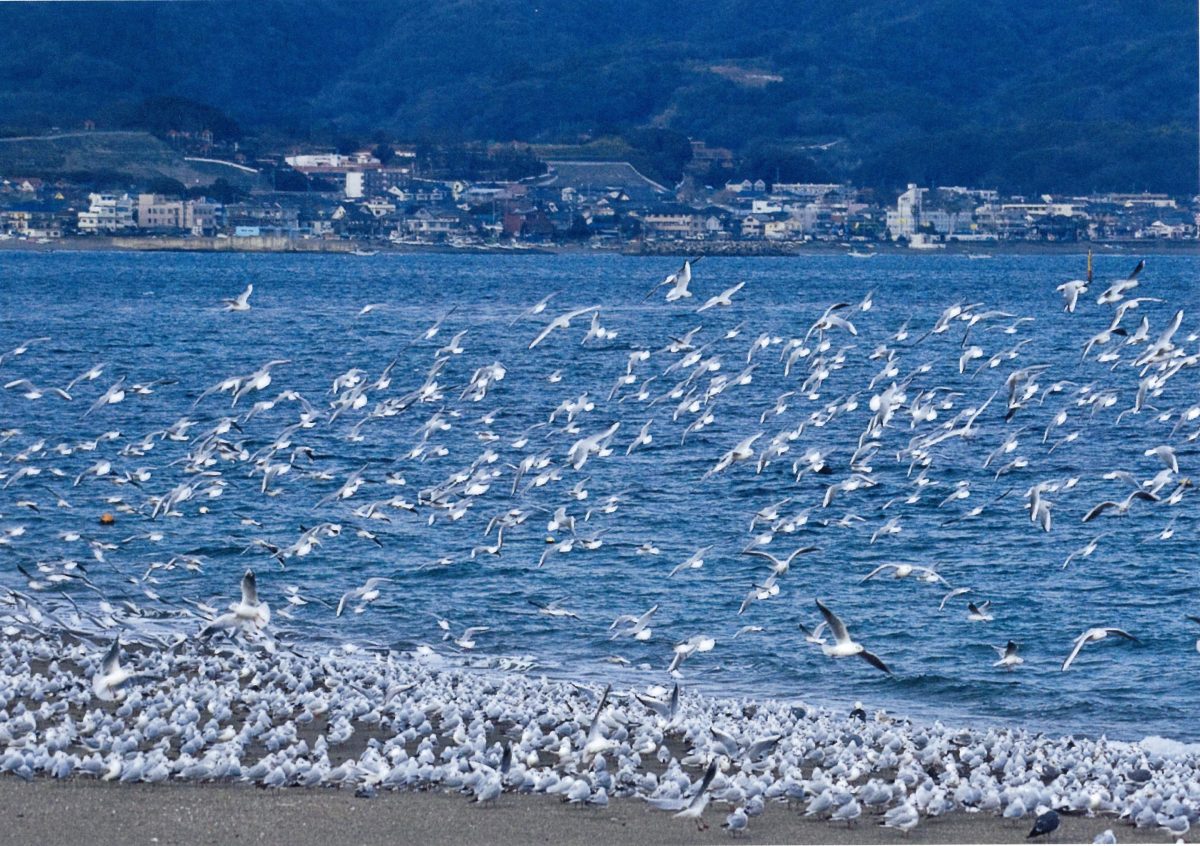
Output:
x,y
1050,96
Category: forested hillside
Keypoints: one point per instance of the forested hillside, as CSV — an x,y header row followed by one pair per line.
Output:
x,y
1048,96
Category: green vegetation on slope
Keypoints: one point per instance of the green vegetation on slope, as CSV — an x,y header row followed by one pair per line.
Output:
x,y
1096,94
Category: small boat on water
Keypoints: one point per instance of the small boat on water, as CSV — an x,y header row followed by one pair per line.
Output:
x,y
861,254
978,256
359,251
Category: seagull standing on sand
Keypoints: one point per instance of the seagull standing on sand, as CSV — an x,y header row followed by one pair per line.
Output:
x,y
736,822
695,808
1045,824
597,743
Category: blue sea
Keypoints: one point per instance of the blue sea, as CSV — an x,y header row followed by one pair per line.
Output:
x,y
151,317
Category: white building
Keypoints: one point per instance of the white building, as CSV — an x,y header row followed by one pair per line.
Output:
x,y
690,226
198,217
309,162
766,206
1047,208
983,195
906,217
805,190
107,213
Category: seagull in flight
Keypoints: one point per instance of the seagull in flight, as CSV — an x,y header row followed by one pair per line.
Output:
x,y
844,646
467,639
1120,509
242,301
1008,656
744,451
1195,619
1117,290
725,298
780,566
107,682
553,609
1071,291
900,571
250,615
679,281
980,613
639,626
563,321
1084,551
536,308
431,333
1092,636
368,593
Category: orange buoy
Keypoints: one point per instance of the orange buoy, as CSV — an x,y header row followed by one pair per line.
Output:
x,y
107,519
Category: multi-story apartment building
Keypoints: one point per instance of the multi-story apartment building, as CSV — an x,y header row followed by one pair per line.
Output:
x,y
198,217
107,213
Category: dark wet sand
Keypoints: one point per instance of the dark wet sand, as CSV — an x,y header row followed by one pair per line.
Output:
x,y
96,813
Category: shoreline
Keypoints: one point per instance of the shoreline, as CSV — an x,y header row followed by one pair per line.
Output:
x,y
78,810
743,249
246,739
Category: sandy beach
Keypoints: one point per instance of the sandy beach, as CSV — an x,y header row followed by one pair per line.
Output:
x,y
44,811
386,784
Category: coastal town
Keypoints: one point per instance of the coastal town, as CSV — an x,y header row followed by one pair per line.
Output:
x,y
380,198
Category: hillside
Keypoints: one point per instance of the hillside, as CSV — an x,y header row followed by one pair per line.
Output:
x,y
111,157
1023,96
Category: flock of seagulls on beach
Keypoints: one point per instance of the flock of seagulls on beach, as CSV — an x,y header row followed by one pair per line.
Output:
x,y
108,673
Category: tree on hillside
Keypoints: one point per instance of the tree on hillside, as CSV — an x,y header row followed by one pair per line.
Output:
x,y
166,187
163,115
220,190
661,154
384,153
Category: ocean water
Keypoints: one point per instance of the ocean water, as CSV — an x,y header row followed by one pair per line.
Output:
x,y
158,317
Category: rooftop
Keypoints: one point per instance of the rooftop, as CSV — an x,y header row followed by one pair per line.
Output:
x,y
597,175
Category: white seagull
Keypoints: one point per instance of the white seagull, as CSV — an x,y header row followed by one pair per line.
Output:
x,y
563,321
106,683
844,646
242,301
1092,636
1008,656
1071,291
725,298
368,593
679,281
250,615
